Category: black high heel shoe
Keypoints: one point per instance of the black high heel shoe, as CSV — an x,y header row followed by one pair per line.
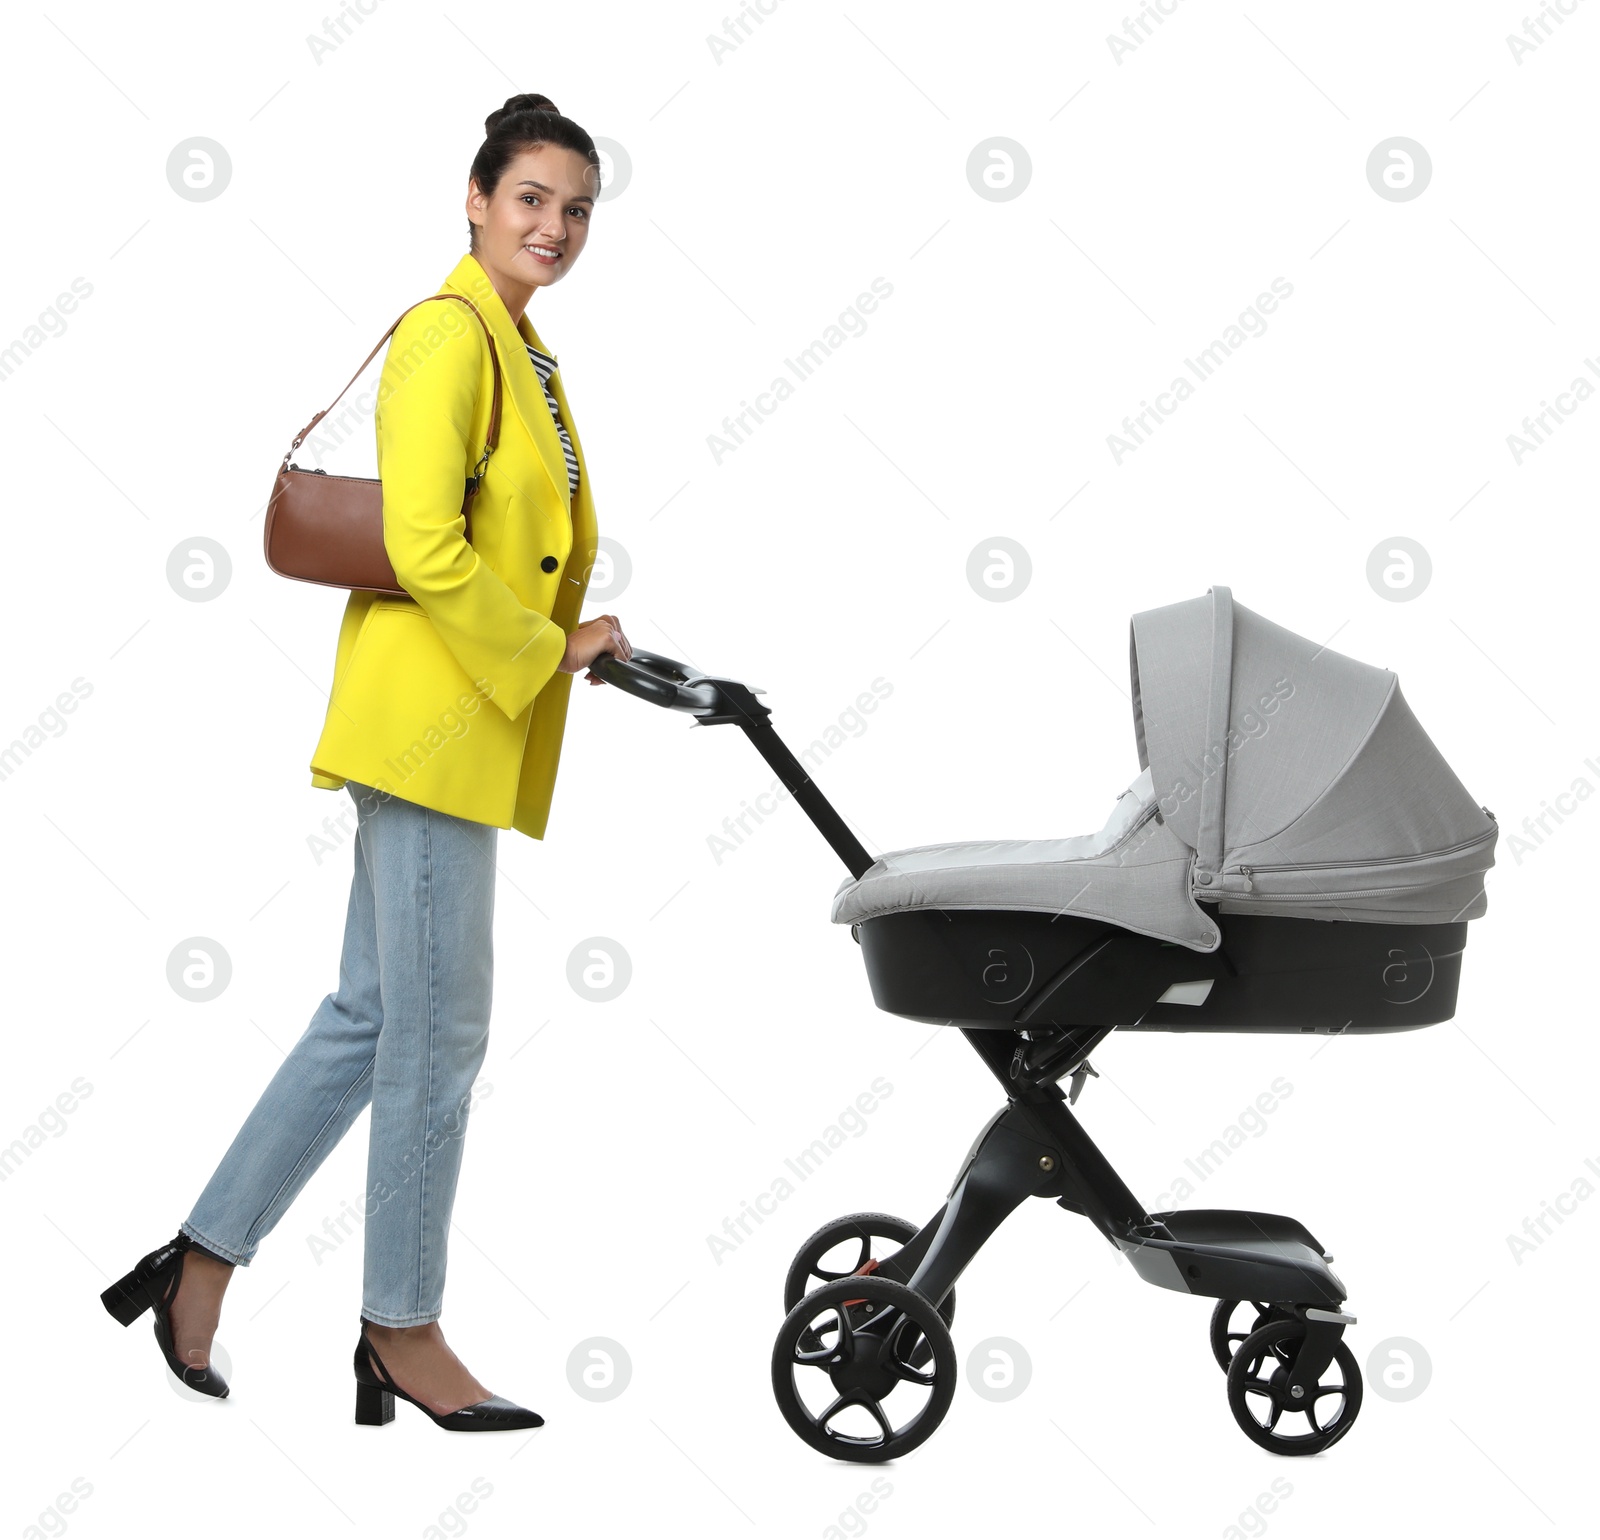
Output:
x,y
153,1285
376,1390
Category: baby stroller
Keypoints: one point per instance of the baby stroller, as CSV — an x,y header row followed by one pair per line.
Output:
x,y
1294,856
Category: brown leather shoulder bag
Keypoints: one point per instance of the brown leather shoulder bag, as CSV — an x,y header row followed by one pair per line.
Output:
x,y
329,529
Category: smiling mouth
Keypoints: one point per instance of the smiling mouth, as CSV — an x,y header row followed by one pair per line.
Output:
x,y
543,253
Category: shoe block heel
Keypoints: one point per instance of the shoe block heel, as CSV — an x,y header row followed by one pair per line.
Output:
x,y
126,1299
374,1405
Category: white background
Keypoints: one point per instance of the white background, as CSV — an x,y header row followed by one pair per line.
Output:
x,y
769,188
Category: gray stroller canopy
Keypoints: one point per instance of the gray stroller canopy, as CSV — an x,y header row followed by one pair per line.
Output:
x,y
1279,778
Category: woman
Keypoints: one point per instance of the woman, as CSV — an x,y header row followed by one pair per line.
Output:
x,y
444,725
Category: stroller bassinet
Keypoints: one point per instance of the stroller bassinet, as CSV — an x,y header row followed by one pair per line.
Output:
x,y
1294,856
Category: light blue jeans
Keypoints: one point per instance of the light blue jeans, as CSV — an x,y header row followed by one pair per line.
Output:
x,y
406,1031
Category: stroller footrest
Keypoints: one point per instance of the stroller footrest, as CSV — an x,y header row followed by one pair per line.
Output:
x,y
1232,1254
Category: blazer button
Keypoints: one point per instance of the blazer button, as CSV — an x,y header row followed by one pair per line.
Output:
x,y
549,564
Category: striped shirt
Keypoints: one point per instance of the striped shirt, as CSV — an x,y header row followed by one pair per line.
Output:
x,y
544,365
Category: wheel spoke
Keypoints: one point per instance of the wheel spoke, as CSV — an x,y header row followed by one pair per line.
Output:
x,y
832,1408
847,1336
877,1412
820,1357
1261,1388
901,1363
866,1251
855,1398
1335,1419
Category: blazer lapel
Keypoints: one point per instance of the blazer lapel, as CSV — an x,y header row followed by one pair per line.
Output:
x,y
520,382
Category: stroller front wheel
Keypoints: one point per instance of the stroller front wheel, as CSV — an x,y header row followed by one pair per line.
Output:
x,y
872,1338
1260,1399
1226,1337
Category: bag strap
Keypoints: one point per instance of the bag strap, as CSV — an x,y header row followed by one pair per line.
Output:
x,y
494,410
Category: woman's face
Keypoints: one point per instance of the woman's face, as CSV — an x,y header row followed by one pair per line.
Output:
x,y
542,206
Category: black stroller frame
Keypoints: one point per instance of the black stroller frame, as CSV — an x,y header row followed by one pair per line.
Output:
x,y
883,1322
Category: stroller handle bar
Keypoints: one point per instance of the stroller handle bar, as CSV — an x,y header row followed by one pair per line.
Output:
x,y
710,700
661,681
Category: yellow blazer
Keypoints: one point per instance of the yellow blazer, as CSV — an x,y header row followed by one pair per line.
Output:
x,y
454,698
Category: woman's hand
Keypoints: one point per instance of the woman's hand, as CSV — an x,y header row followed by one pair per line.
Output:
x,y
586,642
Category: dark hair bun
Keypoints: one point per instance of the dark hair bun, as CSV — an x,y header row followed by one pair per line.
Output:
x,y
523,103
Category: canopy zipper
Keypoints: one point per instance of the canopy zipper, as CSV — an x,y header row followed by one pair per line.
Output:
x,y
1247,871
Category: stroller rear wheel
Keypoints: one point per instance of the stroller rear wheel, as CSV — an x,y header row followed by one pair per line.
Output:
x,y
866,1334
1226,1337
1259,1396
813,1265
